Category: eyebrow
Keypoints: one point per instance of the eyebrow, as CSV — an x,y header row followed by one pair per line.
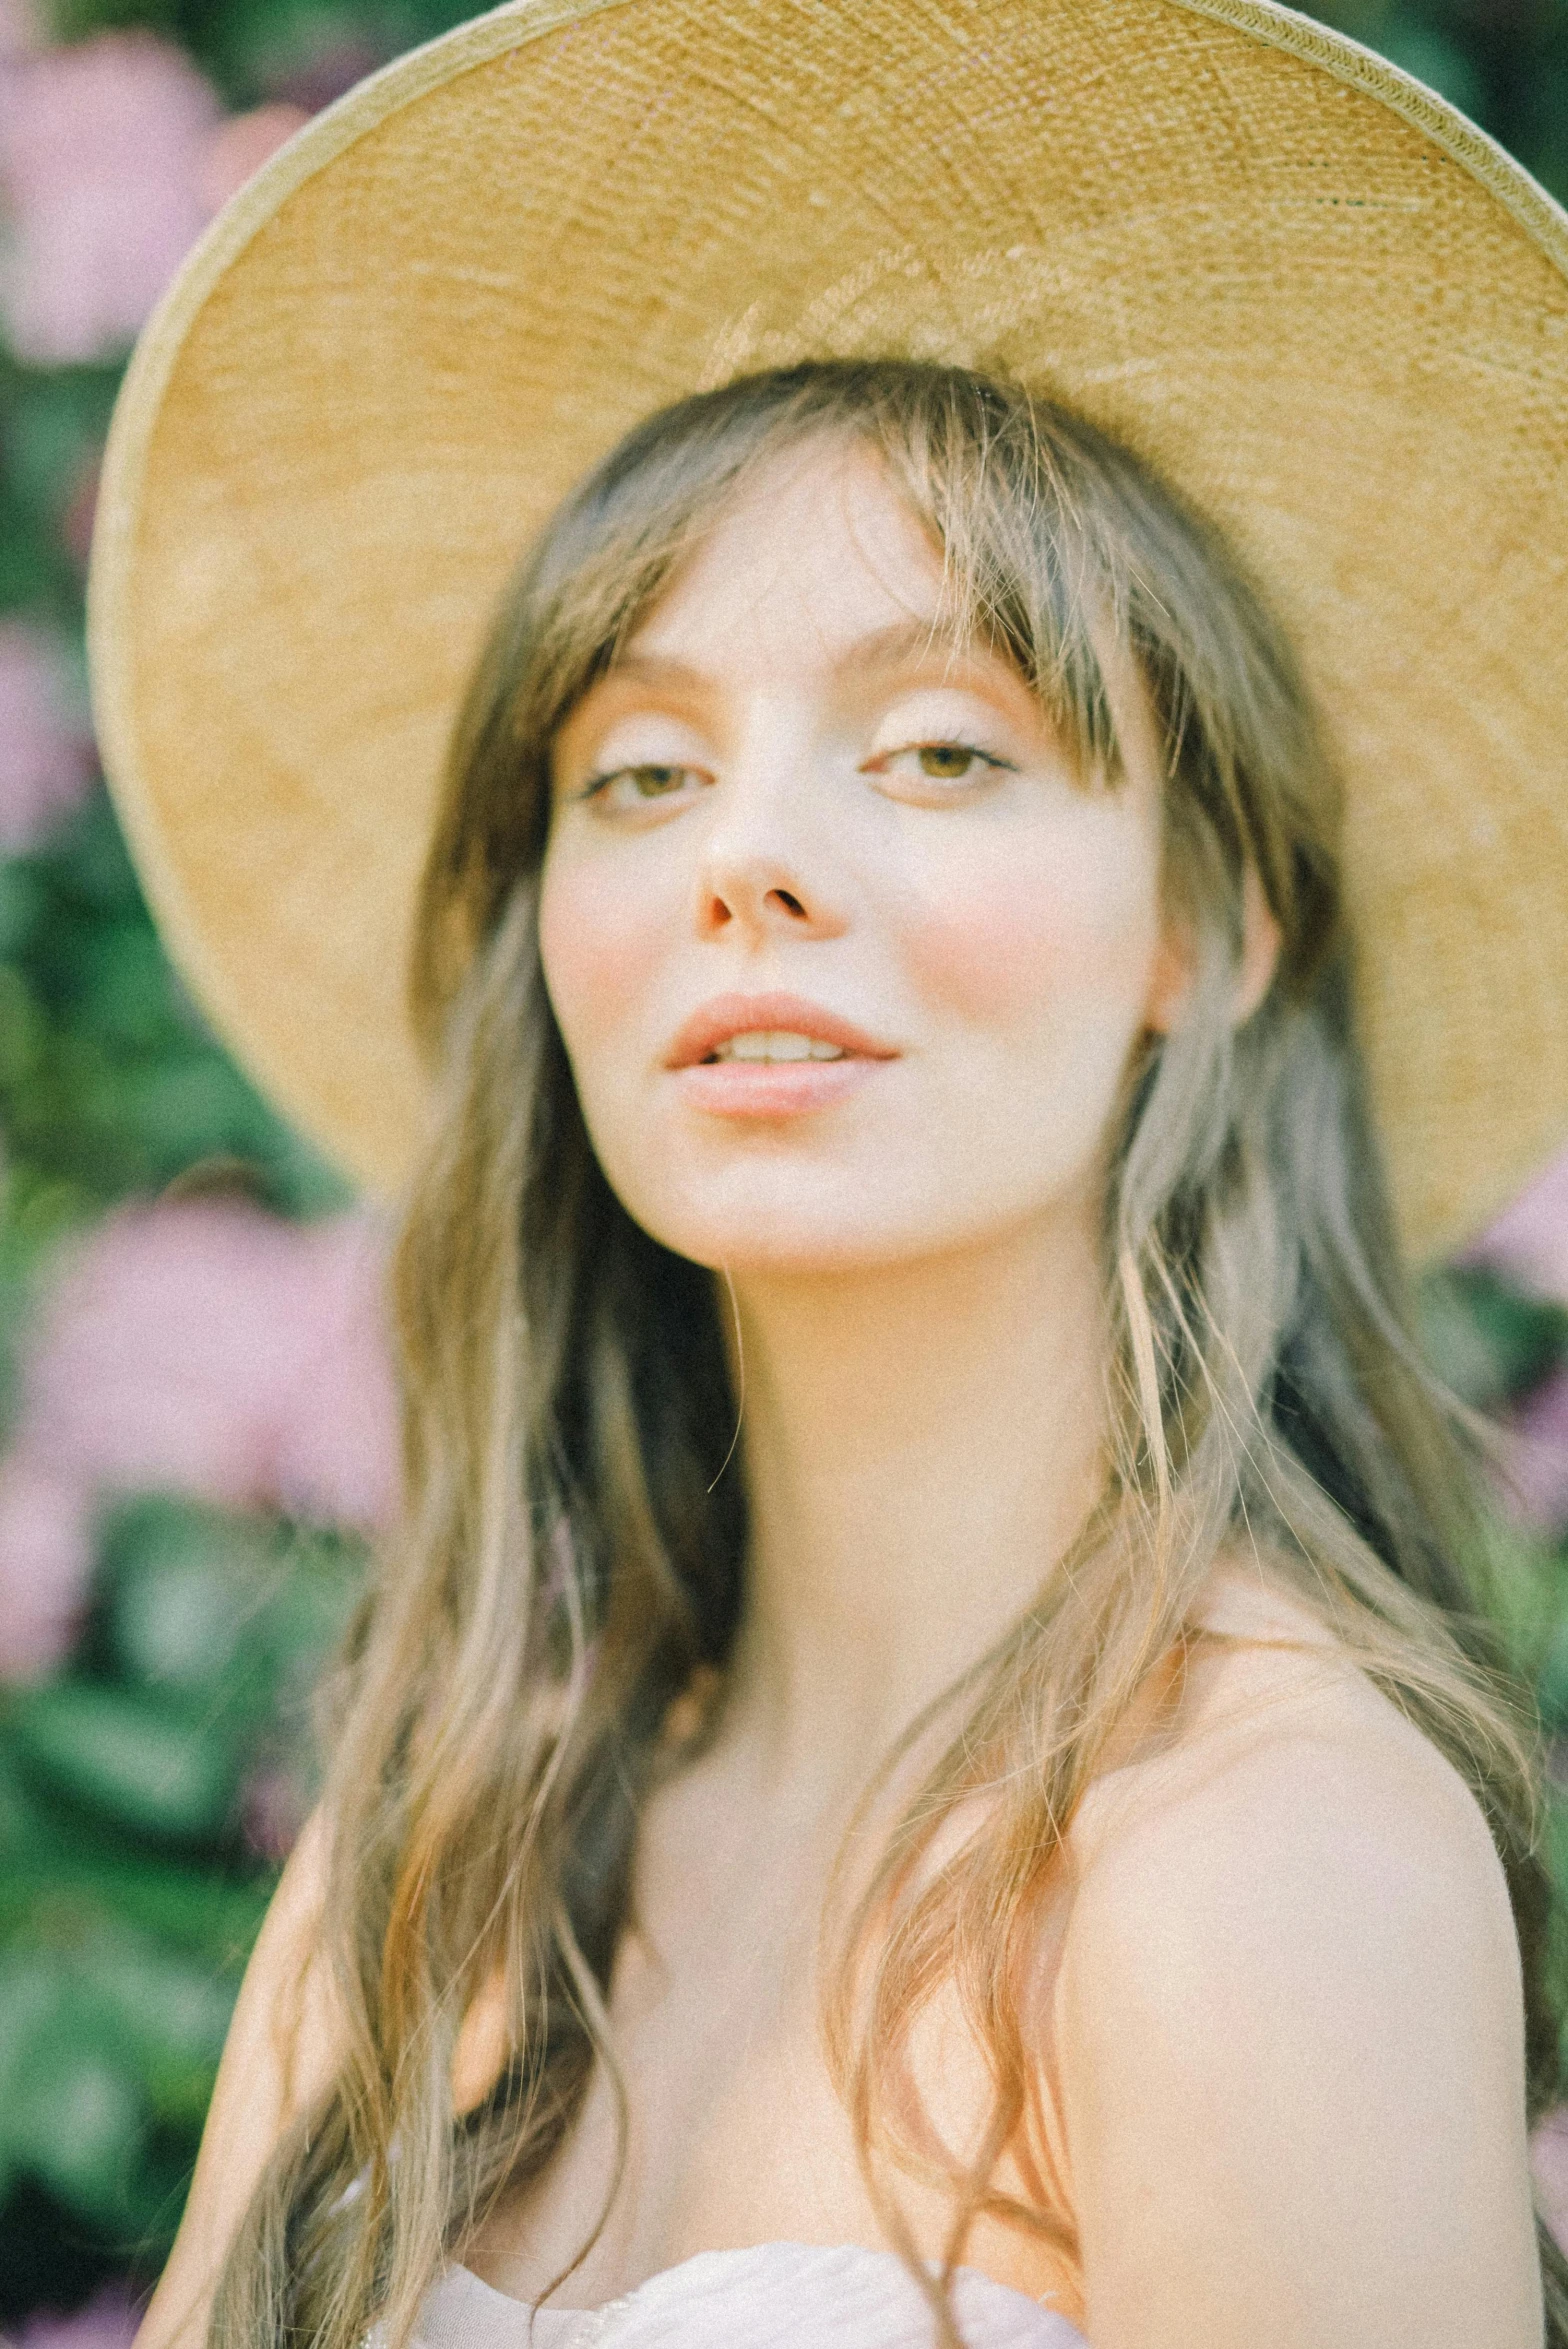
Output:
x,y
881,650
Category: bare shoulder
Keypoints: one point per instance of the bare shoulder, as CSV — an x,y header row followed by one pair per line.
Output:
x,y
1288,2021
1274,1712
1293,1789
279,2055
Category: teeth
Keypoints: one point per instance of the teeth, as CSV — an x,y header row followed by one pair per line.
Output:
x,y
776,1044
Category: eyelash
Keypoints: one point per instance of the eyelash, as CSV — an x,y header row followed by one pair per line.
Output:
x,y
596,784
968,750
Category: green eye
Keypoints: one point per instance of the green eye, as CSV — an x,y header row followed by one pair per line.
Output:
x,y
942,762
946,762
649,781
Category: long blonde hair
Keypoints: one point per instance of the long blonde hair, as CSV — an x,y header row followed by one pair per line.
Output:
x,y
570,1558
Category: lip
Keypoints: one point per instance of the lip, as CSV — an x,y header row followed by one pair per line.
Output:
x,y
715,1022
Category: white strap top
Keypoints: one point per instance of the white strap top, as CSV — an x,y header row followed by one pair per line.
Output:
x,y
771,2296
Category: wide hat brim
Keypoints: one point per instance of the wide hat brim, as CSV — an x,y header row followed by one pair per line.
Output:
x,y
1331,310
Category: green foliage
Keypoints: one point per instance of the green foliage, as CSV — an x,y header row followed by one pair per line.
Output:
x,y
1494,1344
252,49
109,1081
1504,62
141,1764
52,424
130,1884
108,2044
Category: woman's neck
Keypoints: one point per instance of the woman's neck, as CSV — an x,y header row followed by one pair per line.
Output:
x,y
920,1442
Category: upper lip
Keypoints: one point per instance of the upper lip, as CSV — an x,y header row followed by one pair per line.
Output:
x,y
714,1023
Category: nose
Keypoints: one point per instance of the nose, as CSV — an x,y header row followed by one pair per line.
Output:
x,y
766,870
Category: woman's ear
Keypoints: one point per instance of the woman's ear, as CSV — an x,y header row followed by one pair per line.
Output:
x,y
1260,944
483,2046
1175,971
1173,976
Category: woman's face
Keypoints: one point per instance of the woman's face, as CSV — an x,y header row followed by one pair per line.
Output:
x,y
848,960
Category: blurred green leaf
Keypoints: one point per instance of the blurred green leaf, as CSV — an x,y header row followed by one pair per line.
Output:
x,y
1525,1594
1490,1343
240,1607
57,1867
1434,58
109,1080
52,424
124,983
157,1770
22,1027
178,1622
69,2107
74,2118
1552,1688
24,900
167,2008
76,20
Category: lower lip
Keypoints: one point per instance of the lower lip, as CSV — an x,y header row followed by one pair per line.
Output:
x,y
779,1088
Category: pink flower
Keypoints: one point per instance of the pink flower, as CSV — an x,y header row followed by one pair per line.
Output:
x,y
19,29
46,752
273,1808
100,156
1529,1241
326,69
46,1558
240,146
108,2321
198,1346
81,507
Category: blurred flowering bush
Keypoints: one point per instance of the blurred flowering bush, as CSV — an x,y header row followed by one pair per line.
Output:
x,y
196,1417
196,1421
199,1435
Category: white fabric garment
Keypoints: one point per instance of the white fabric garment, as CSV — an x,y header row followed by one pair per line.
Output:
x,y
772,2296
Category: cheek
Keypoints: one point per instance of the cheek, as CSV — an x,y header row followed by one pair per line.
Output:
x,y
598,942
1058,930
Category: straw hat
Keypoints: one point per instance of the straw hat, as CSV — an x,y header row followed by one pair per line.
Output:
x,y
1330,309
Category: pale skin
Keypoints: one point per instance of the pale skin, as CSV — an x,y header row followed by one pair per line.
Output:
x,y
1281,2058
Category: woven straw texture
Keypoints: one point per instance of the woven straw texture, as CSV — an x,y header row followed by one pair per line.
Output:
x,y
1325,304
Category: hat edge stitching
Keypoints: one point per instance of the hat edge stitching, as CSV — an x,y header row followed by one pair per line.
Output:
x,y
1357,67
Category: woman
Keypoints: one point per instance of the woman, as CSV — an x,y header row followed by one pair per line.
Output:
x,y
923,1764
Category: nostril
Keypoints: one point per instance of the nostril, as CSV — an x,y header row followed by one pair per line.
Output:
x,y
790,904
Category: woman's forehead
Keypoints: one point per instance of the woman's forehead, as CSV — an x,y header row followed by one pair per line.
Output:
x,y
815,554
831,566
883,655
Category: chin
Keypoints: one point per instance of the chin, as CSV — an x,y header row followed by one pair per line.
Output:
x,y
806,1230
773,1227
800,1246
